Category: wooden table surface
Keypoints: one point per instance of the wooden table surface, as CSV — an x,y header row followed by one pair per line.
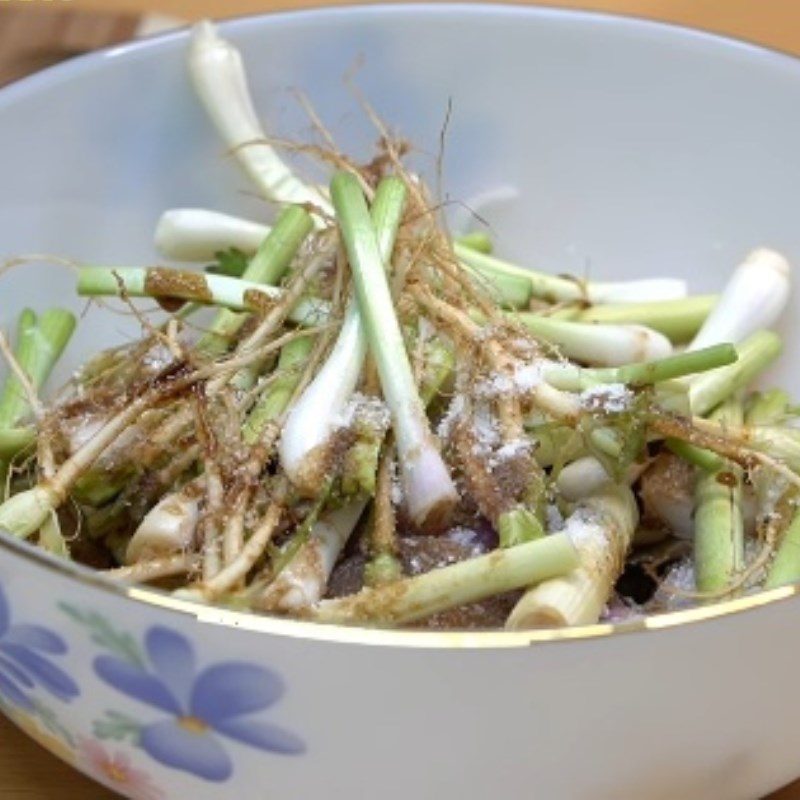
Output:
x,y
35,33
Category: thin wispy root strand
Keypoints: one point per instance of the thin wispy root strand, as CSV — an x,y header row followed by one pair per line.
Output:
x,y
386,424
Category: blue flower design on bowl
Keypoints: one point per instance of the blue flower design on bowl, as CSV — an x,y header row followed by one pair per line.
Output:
x,y
201,708
25,663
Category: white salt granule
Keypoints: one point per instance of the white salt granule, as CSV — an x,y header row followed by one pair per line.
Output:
x,y
528,377
366,411
485,428
455,412
494,385
524,346
585,530
613,398
522,381
516,448
466,537
513,449
677,588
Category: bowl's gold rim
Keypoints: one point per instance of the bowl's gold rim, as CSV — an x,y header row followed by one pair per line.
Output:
x,y
341,634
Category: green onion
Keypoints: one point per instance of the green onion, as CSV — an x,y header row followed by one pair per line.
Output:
x,y
236,294
268,266
14,440
753,299
169,527
556,289
51,539
678,320
572,378
303,580
785,567
771,407
314,417
705,459
429,491
513,291
40,344
518,525
604,345
218,75
412,599
719,525
196,234
294,354
586,476
755,354
477,241
601,529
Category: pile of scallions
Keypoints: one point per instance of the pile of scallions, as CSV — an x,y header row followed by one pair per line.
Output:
x,y
381,424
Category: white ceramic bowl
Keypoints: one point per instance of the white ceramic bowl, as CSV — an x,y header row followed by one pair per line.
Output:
x,y
637,149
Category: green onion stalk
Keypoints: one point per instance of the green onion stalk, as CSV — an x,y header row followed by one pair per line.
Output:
x,y
778,443
601,529
600,344
313,419
14,440
302,582
719,523
770,407
429,492
678,320
752,300
268,266
478,241
756,353
706,391
556,445
568,377
272,404
197,234
222,291
555,289
785,566
218,75
412,599
383,564
169,527
586,476
764,410
40,342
